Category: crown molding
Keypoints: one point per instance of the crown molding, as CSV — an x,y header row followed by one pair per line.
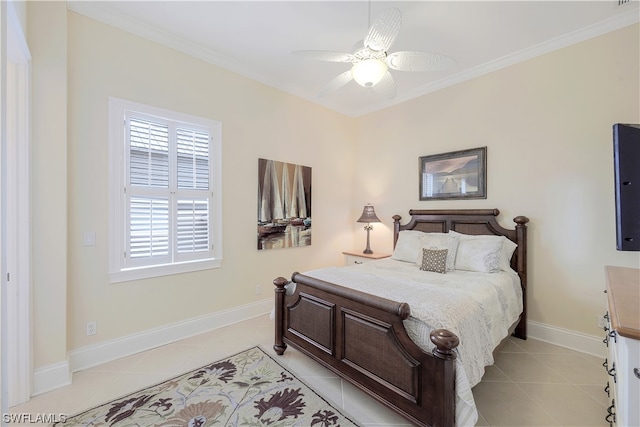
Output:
x,y
100,13
628,18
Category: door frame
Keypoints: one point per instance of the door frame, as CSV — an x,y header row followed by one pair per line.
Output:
x,y
17,359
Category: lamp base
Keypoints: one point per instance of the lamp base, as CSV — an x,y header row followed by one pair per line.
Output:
x,y
368,249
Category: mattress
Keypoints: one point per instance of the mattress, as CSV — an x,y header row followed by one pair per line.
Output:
x,y
478,307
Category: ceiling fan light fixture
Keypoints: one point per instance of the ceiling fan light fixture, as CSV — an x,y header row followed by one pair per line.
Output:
x,y
369,72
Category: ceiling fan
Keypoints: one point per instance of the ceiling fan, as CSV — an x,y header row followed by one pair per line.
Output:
x,y
371,63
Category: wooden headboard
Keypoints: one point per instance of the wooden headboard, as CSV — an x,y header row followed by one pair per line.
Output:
x,y
475,222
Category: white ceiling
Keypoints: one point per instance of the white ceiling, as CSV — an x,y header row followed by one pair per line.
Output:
x,y
256,38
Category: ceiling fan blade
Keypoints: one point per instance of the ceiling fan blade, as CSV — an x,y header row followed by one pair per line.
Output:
x,y
324,55
384,30
336,83
386,87
419,61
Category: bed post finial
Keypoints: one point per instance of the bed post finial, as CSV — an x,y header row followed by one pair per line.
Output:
x,y
445,342
396,228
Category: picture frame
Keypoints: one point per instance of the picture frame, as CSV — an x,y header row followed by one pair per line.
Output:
x,y
454,175
284,205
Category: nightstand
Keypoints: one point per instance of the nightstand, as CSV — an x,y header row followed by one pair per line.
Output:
x,y
358,257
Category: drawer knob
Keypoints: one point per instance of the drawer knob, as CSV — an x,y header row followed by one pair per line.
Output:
x,y
636,372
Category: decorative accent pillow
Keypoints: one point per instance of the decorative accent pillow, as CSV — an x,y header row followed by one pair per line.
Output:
x,y
434,260
408,246
508,247
482,255
441,241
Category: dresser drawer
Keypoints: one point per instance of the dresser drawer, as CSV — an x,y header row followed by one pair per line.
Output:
x,y
352,259
627,358
623,340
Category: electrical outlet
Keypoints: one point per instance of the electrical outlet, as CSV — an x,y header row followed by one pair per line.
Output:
x,y
91,328
258,289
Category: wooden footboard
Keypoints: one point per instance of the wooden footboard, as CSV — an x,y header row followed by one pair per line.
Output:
x,y
362,338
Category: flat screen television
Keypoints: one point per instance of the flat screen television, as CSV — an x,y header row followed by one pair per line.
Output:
x,y
626,158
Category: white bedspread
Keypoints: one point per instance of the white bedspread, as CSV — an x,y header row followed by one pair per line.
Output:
x,y
478,307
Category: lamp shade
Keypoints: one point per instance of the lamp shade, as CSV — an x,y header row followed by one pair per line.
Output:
x,y
369,72
368,215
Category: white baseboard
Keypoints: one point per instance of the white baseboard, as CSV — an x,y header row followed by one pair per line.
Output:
x,y
54,376
51,377
58,375
94,355
567,338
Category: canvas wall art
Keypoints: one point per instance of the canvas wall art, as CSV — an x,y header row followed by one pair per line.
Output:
x,y
454,175
284,205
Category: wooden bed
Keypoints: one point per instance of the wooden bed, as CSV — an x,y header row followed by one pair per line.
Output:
x,y
361,337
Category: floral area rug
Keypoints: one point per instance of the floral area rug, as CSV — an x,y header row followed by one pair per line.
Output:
x,y
248,389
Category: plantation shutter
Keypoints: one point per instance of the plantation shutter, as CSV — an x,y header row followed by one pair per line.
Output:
x,y
149,154
193,159
169,194
149,229
192,225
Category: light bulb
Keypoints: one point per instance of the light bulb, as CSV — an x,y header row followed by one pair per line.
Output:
x,y
369,72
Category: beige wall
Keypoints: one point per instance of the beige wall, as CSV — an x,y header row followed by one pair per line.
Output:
x,y
555,112
257,121
547,124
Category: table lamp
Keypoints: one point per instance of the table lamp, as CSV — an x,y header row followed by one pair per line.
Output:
x,y
368,216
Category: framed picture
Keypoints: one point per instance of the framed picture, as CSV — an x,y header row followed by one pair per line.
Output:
x,y
284,205
454,175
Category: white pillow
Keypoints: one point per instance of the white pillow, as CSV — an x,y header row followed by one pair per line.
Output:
x,y
508,247
440,241
482,255
408,246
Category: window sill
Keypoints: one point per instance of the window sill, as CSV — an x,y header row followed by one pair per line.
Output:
x,y
163,270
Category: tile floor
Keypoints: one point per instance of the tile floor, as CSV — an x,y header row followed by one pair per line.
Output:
x,y
531,384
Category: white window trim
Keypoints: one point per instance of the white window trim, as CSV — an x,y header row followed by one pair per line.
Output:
x,y
117,273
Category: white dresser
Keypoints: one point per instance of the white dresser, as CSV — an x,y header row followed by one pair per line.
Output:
x,y
623,341
355,257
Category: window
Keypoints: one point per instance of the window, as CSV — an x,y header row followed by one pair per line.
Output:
x,y
165,192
